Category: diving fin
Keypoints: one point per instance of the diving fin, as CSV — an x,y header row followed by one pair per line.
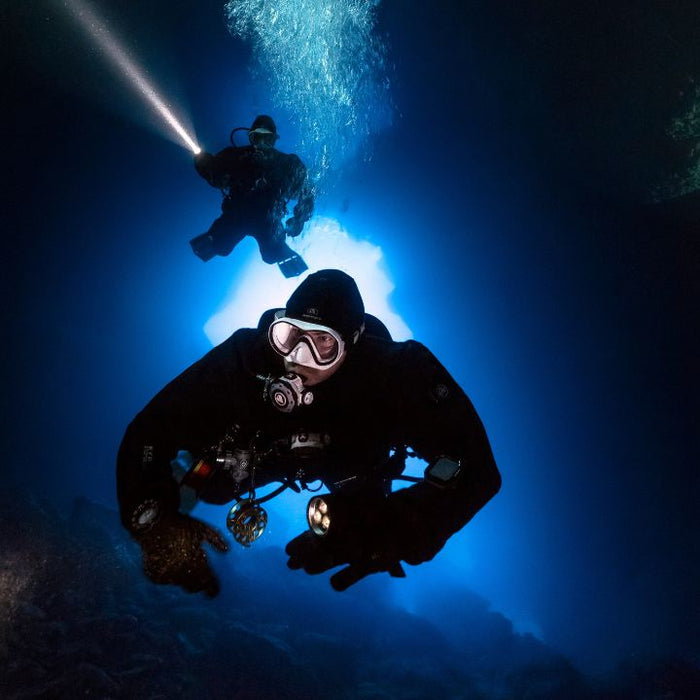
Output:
x,y
203,246
292,267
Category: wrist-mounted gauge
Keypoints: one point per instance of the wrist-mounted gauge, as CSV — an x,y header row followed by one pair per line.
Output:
x,y
443,472
145,516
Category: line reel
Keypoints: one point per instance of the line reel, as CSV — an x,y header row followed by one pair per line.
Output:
x,y
246,521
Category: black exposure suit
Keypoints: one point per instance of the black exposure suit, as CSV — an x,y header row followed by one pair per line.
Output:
x,y
386,395
257,184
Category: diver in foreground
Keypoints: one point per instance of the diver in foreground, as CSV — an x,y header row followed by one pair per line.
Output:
x,y
317,393
257,182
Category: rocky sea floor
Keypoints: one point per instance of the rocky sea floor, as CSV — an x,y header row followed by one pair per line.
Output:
x,y
79,619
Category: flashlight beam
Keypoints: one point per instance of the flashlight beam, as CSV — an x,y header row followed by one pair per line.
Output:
x,y
89,21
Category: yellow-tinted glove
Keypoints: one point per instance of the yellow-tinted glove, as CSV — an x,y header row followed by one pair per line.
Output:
x,y
173,553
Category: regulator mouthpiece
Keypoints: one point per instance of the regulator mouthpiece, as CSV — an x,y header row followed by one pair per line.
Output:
x,y
288,392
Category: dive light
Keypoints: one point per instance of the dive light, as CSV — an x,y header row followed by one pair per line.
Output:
x,y
318,515
337,513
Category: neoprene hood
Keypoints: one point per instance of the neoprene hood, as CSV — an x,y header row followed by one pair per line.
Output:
x,y
330,298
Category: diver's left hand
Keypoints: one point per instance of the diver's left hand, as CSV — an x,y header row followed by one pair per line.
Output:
x,y
368,549
317,554
294,226
173,553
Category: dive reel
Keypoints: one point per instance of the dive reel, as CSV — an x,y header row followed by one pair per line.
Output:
x,y
246,521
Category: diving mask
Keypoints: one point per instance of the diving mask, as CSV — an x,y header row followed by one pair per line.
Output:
x,y
306,344
262,138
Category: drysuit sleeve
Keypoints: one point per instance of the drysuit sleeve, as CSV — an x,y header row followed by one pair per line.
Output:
x,y
191,413
437,419
301,189
215,169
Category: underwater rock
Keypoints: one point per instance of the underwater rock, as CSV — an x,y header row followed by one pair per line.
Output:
x,y
79,619
369,691
335,659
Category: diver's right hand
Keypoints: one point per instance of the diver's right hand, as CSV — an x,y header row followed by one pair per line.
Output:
x,y
204,163
173,553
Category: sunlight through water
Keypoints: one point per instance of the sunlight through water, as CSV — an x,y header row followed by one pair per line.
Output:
x,y
326,65
324,244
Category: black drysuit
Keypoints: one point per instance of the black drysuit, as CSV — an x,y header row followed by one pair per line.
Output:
x,y
257,184
385,395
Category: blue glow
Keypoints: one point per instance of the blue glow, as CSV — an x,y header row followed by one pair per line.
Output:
x,y
326,67
113,50
563,309
324,244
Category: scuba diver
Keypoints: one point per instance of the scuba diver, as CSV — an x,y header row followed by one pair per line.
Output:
x,y
257,182
318,395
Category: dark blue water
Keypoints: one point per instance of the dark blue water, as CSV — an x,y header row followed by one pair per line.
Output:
x,y
511,199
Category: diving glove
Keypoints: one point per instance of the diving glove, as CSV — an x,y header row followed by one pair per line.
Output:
x,y
172,552
294,227
377,538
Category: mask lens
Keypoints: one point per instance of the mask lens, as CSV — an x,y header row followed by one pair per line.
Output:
x,y
260,137
284,337
323,346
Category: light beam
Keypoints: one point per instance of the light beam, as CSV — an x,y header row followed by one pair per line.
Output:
x,y
97,30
